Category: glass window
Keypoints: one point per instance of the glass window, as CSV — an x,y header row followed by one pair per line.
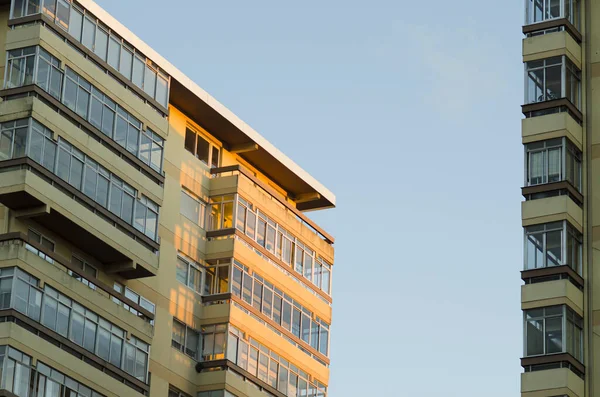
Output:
x,y
76,23
126,62
552,244
202,149
150,81
544,10
101,46
552,330
138,71
162,91
114,52
89,33
193,209
544,80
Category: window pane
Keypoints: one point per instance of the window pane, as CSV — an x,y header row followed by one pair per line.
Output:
x,y
101,47
554,165
214,161
181,271
75,24
89,340
138,72
126,62
296,321
553,335
62,13
553,82
190,141
202,147
257,295
324,341
114,52
77,328
535,253
195,279
162,91
149,81
178,335
535,86
286,319
247,289
536,168
267,302
554,248
89,33
236,283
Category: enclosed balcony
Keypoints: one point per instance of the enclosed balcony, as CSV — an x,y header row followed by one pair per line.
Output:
x,y
553,168
76,201
545,16
552,85
265,221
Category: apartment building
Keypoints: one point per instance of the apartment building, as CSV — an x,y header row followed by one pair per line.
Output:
x,y
151,242
561,232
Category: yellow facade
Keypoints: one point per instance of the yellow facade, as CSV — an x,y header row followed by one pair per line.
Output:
x,y
560,226
151,243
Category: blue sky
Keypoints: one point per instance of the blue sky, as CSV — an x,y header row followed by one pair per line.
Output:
x,y
409,112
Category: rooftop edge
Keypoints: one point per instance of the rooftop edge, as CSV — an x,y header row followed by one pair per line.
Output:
x,y
309,193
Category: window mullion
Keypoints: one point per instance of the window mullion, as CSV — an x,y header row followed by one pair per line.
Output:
x,y
563,240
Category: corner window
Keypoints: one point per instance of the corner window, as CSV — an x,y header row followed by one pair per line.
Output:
x,y
551,330
551,161
221,214
552,78
545,10
201,148
213,342
553,244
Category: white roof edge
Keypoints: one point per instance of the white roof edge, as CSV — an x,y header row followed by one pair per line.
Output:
x,y
178,75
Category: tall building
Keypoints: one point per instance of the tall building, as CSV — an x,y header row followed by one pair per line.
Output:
x,y
151,242
561,311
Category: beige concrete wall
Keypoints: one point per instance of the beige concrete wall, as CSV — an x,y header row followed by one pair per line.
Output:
x,y
549,293
552,209
552,382
550,45
552,126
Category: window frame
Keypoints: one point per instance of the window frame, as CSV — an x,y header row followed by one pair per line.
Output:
x,y
574,12
568,153
210,151
565,314
567,231
568,69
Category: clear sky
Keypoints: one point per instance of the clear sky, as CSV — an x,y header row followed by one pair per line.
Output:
x,y
409,112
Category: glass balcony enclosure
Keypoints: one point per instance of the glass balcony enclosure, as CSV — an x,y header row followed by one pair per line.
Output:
x,y
537,11
552,78
106,44
553,330
29,138
19,377
34,65
552,161
63,315
553,244
234,211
